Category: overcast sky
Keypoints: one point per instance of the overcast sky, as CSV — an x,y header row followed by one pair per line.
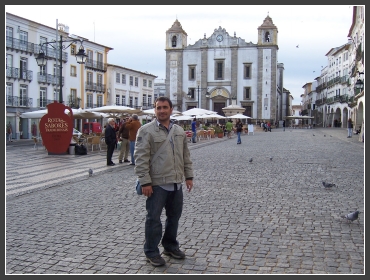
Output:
x,y
137,34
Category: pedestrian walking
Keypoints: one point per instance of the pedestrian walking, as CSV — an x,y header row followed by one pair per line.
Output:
x,y
350,128
162,179
239,129
9,131
194,130
123,134
133,126
111,140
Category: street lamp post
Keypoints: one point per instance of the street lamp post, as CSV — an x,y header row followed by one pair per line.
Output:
x,y
360,84
199,89
80,57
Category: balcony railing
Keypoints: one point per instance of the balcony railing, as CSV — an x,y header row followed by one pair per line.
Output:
x,y
359,53
334,81
16,101
43,102
130,105
95,87
73,102
32,48
146,106
304,112
48,79
95,65
352,102
16,73
319,102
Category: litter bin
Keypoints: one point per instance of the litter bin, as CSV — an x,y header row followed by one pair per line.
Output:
x,y
72,146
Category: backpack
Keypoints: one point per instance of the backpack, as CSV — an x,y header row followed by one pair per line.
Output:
x,y
80,149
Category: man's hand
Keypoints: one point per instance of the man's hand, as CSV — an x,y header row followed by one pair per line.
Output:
x,y
147,190
189,185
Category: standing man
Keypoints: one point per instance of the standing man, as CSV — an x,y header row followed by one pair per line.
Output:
x,y
350,128
229,127
283,125
9,130
123,135
194,130
162,181
133,126
110,140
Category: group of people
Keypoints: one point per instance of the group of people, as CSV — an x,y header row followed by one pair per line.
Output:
x,y
266,126
126,134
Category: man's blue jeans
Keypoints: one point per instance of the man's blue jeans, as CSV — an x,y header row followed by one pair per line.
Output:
x,y
132,150
172,201
194,137
239,140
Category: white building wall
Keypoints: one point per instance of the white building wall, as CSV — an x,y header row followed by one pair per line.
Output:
x,y
266,85
248,55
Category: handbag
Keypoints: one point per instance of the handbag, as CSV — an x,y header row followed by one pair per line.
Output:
x,y
138,186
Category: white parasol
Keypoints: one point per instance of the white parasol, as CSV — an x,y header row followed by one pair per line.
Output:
x,y
181,118
115,109
238,116
198,112
151,112
211,116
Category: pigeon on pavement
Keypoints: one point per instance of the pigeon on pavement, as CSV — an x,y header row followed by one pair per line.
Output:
x,y
270,158
352,216
90,172
313,134
328,185
251,159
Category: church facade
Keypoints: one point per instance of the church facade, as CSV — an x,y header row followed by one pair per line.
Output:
x,y
224,70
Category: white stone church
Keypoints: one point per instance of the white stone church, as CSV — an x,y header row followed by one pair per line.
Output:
x,y
224,70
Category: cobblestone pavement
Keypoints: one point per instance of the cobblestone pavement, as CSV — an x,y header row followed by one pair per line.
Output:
x,y
265,217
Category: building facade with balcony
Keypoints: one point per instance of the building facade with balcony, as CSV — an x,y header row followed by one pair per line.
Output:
x,y
333,98
231,70
131,88
357,73
30,87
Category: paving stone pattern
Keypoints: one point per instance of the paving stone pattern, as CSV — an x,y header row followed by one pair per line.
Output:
x,y
264,217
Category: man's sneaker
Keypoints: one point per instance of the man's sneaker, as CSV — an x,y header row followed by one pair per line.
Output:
x,y
156,261
120,161
177,254
126,160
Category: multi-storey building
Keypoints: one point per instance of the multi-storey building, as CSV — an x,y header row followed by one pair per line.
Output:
x,y
333,97
30,87
357,68
231,70
131,88
159,88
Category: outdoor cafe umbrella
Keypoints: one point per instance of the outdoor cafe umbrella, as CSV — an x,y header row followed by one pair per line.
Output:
x,y
84,114
211,116
239,116
151,112
198,112
181,118
115,109
77,114
34,114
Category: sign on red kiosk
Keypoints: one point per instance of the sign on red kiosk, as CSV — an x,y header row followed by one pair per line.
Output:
x,y
56,128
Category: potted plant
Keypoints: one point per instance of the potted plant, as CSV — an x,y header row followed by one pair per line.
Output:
x,y
219,132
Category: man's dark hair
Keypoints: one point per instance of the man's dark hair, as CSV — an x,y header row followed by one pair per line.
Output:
x,y
162,99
